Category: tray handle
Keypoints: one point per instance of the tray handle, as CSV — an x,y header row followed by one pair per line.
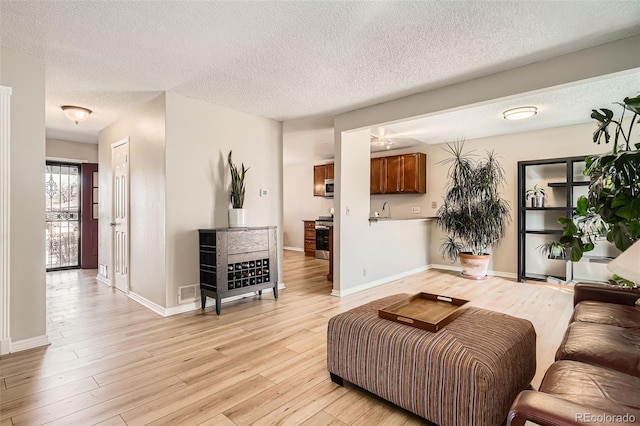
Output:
x,y
445,299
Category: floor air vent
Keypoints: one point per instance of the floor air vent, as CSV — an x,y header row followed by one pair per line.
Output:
x,y
187,293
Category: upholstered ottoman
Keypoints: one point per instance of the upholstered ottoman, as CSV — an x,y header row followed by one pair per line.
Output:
x,y
468,373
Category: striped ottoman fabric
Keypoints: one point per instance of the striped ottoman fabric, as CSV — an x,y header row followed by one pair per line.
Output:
x,y
468,373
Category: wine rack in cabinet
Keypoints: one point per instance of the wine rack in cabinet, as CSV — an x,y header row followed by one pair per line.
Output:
x,y
237,261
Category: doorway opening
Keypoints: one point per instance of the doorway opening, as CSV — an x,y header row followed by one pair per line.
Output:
x,y
62,212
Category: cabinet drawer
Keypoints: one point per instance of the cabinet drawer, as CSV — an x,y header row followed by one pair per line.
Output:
x,y
309,225
309,234
248,241
309,245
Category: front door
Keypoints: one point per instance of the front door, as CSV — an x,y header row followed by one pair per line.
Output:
x,y
120,214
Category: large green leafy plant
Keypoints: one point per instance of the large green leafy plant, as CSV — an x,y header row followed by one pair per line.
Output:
x,y
612,207
237,184
473,214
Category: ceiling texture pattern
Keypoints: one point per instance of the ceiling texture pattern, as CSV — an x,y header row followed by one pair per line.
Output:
x,y
286,59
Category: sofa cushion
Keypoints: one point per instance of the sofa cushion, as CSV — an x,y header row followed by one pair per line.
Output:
x,y
607,313
602,344
593,386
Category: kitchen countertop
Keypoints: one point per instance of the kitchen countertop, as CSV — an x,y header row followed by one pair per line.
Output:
x,y
401,219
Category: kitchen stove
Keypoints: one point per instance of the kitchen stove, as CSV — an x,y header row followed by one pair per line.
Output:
x,y
323,224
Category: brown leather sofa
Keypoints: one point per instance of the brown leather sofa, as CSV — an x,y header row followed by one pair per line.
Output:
x,y
596,377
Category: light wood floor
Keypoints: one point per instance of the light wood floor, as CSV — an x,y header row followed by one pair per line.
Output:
x,y
114,362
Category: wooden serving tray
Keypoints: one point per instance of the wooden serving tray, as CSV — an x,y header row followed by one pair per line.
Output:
x,y
424,310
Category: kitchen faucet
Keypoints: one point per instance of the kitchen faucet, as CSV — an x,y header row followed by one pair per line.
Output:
x,y
384,206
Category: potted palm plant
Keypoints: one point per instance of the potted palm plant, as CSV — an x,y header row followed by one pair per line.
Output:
x,y
237,214
473,214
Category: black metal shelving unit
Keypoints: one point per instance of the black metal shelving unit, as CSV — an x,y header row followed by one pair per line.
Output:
x,y
567,182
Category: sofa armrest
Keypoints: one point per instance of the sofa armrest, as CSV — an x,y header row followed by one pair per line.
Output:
x,y
548,410
605,293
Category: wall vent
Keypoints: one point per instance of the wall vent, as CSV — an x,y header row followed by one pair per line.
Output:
x,y
187,293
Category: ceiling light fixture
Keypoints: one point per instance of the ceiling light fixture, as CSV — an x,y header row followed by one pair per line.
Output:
x,y
520,113
76,113
381,139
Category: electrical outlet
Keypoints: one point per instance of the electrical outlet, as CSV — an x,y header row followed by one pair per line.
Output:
x,y
415,210
434,204
348,212
364,272
264,192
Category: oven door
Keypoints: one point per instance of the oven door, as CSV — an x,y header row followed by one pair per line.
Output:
x,y
322,242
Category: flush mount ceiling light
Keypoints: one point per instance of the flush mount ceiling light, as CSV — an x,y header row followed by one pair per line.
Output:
x,y
76,113
520,113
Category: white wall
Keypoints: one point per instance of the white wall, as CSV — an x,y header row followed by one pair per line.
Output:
x,y
352,170
567,141
25,75
199,137
75,151
146,129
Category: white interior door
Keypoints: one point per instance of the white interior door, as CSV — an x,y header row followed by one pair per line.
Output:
x,y
120,214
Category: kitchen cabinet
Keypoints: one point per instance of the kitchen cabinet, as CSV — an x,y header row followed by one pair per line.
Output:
x,y
399,174
320,173
235,261
378,175
310,238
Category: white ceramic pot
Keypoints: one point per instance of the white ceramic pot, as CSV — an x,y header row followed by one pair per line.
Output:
x,y
474,267
237,218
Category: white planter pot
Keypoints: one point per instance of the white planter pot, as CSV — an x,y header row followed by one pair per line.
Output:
x,y
237,218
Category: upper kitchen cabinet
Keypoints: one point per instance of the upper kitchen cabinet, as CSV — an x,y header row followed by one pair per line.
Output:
x,y
399,174
320,173
378,175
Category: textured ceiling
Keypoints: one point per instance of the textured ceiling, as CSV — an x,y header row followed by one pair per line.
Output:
x,y
561,106
286,60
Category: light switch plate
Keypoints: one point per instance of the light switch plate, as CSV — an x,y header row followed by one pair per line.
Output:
x,y
415,209
264,192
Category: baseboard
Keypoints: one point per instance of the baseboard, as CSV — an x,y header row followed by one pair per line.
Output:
x,y
459,269
104,280
181,309
33,342
188,307
5,346
376,283
293,248
147,303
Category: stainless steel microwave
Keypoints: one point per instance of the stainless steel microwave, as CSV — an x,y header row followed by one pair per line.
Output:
x,y
328,188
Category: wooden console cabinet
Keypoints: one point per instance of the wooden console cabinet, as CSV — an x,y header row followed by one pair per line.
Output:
x,y
236,261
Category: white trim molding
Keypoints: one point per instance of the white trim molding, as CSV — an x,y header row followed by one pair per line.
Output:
x,y
376,283
191,306
292,248
33,342
103,280
5,224
366,286
459,269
